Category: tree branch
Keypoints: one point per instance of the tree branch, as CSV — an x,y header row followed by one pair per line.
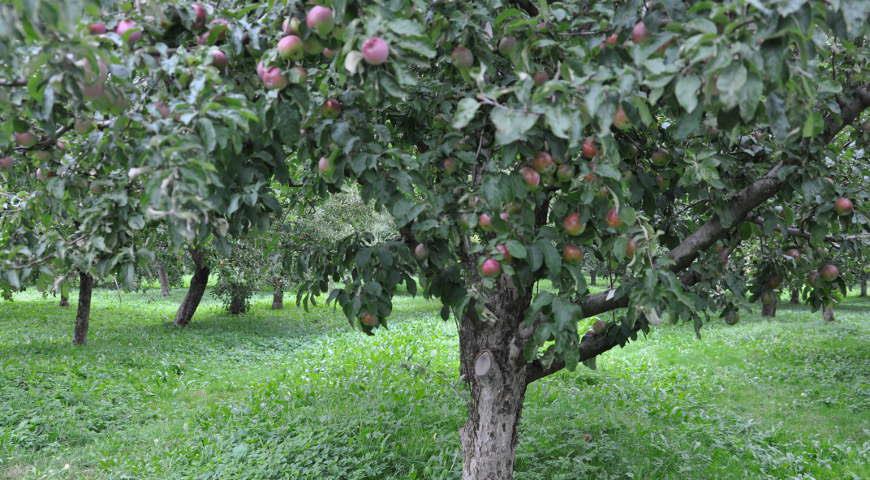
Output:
x,y
12,83
688,250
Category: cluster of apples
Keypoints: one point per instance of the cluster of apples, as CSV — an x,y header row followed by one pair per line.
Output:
x,y
321,21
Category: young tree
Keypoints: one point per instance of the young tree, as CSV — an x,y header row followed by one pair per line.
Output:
x,y
500,138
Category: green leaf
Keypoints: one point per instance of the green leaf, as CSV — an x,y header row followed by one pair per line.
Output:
x,y
206,131
465,111
749,97
730,83
813,125
511,125
516,249
687,92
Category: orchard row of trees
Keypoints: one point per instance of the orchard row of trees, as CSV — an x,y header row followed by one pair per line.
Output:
x,y
703,154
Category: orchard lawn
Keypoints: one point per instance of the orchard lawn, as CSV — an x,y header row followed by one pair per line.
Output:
x,y
299,395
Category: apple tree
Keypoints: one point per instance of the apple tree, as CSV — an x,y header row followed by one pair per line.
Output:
x,y
504,138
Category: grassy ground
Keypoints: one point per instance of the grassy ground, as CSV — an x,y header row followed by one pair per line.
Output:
x,y
297,395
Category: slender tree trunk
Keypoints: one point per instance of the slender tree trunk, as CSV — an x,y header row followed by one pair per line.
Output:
x,y
795,296
64,297
828,313
83,314
593,277
164,280
237,304
278,297
493,365
768,304
863,285
197,288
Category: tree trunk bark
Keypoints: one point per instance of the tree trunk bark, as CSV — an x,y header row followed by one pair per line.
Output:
x,y
164,280
237,305
593,277
278,298
492,363
795,296
64,298
83,314
863,285
828,313
194,294
768,304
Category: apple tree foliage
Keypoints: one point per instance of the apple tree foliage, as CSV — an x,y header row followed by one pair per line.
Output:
x,y
500,136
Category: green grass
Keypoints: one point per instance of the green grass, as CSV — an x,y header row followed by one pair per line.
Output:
x,y
298,395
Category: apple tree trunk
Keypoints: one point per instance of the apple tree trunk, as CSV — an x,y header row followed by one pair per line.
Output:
x,y
795,296
278,297
493,367
828,313
863,285
64,297
593,277
83,314
164,280
194,294
768,304
237,304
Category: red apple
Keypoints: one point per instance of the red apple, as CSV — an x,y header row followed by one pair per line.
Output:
x,y
660,158
620,119
320,20
331,108
572,224
291,26
531,177
829,272
462,57
639,33
507,45
375,51
612,39
6,162
163,109
540,78
368,319
572,253
97,28
273,79
219,58
589,148
25,139
485,221
793,253
449,165
328,52
565,172
200,15
325,166
612,218
630,248
421,252
490,268
505,216
843,206
813,277
290,47
543,163
125,26
505,253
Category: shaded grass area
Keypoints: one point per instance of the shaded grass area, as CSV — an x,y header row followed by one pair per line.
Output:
x,y
298,395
